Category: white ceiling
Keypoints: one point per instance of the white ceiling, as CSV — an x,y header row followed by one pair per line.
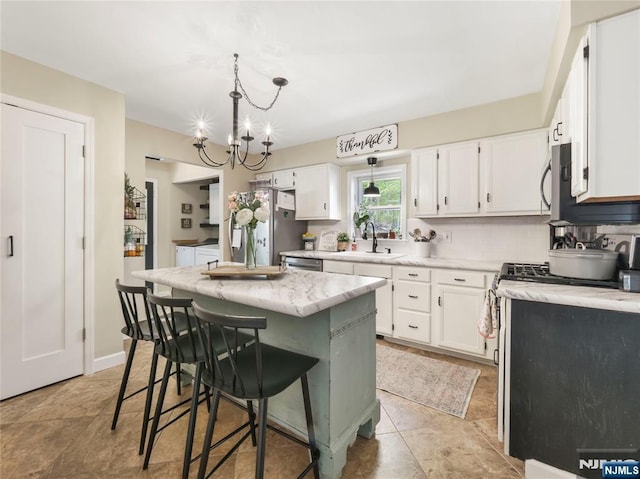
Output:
x,y
350,65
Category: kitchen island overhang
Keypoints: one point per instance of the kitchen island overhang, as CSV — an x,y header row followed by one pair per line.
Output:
x,y
326,315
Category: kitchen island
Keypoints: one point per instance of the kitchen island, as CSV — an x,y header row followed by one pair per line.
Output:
x,y
329,316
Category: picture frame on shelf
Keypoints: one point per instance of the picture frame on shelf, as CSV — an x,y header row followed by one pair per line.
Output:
x,y
186,210
185,222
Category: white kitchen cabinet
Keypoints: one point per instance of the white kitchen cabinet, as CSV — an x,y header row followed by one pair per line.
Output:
x,y
511,165
185,256
384,301
458,297
577,98
411,304
214,203
458,171
424,173
614,108
318,192
446,185
206,254
264,178
284,179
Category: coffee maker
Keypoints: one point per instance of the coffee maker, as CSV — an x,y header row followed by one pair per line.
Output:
x,y
629,275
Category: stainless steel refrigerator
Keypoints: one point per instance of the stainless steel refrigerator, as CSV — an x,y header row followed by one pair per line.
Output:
x,y
280,233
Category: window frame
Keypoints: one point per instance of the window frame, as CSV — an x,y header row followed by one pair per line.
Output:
x,y
379,173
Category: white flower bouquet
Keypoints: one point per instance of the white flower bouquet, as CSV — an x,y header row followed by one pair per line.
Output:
x,y
249,210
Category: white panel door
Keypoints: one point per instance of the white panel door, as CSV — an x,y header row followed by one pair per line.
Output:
x,y
42,206
424,164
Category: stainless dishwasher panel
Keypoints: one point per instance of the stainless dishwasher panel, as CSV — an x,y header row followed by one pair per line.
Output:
x,y
308,264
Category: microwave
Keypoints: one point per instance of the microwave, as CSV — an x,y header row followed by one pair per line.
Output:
x,y
565,210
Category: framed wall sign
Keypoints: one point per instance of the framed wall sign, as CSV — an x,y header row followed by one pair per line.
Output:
x,y
369,141
185,222
186,208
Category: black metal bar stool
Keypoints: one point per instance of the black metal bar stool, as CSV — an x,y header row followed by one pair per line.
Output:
x,y
139,327
256,372
176,346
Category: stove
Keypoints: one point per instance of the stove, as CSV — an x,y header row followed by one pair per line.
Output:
x,y
539,273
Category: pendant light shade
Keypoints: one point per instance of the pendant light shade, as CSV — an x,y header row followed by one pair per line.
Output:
x,y
371,191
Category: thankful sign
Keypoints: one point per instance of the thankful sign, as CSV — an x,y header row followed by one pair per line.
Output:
x,y
368,141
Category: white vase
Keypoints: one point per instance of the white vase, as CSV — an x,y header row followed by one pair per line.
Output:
x,y
422,249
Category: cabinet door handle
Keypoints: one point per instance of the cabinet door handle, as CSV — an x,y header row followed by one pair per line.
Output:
x,y
488,197
496,359
439,301
325,207
460,279
275,181
558,128
10,245
415,202
413,327
446,200
555,130
413,275
413,296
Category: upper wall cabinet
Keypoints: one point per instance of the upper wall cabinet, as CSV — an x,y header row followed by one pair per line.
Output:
x,y
424,187
284,179
496,176
458,169
445,180
511,167
318,192
614,108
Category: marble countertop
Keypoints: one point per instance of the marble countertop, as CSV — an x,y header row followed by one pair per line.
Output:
x,y
597,298
297,293
398,260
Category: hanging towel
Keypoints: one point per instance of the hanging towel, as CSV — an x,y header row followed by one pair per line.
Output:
x,y
488,323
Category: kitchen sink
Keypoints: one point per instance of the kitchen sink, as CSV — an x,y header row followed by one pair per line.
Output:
x,y
364,254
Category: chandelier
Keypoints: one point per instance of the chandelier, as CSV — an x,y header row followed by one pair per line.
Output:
x,y
235,153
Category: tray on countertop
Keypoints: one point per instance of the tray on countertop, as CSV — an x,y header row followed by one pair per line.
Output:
x,y
226,271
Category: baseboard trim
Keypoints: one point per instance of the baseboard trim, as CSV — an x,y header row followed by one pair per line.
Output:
x,y
106,362
537,470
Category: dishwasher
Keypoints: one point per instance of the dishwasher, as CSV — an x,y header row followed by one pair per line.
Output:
x,y
307,264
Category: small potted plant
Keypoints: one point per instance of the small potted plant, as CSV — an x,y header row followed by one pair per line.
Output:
x,y
343,241
360,219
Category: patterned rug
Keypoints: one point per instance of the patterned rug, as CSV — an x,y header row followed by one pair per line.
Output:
x,y
443,386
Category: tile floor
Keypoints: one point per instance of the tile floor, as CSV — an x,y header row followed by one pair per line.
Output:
x,y
63,431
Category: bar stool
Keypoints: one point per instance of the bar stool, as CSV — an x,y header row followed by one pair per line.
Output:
x,y
186,347
256,372
138,328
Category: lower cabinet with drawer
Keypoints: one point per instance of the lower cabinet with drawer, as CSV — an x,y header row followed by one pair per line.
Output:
x,y
384,313
458,297
412,303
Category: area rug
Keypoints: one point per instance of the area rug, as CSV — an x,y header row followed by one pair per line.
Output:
x,y
437,384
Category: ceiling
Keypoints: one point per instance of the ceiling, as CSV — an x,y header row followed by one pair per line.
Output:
x,y
350,65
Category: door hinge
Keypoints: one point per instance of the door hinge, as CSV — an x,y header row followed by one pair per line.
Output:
x,y
438,207
393,327
478,148
585,173
585,51
84,242
84,334
478,205
485,345
393,287
438,155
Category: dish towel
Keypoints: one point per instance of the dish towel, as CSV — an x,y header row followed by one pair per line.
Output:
x,y
488,323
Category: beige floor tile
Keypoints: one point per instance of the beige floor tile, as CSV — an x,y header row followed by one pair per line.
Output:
x,y
68,424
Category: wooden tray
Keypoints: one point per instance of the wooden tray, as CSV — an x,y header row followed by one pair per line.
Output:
x,y
223,271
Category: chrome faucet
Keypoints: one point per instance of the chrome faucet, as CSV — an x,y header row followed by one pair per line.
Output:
x,y
374,242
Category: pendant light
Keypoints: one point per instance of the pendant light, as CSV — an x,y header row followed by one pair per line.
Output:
x,y
371,191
